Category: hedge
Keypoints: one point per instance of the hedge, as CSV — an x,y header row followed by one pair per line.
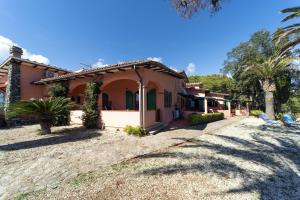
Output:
x,y
255,113
204,118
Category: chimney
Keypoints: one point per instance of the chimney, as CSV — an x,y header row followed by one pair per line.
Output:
x,y
16,51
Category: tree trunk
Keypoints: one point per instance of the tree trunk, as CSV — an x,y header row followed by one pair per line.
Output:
x,y
45,127
269,88
269,100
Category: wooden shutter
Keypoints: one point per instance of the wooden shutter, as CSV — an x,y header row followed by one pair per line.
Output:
x,y
151,99
129,100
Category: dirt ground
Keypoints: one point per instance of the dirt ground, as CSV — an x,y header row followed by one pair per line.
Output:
x,y
32,162
239,161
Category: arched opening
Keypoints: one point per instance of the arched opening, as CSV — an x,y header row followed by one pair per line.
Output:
x,y
121,95
77,94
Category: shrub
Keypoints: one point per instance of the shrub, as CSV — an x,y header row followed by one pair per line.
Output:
x,y
255,113
204,118
90,107
278,116
60,89
138,131
44,110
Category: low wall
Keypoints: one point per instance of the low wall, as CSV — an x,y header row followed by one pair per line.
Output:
x,y
119,119
241,113
227,113
76,117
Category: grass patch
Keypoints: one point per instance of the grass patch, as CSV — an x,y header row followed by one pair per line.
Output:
x,y
83,177
23,196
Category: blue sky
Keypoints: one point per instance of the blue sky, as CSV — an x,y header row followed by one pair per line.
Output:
x,y
67,33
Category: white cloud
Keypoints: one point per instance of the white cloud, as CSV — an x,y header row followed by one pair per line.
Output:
x,y
157,59
99,63
5,45
191,68
174,68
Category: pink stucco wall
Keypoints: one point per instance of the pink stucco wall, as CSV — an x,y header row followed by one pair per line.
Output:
x,y
28,75
151,118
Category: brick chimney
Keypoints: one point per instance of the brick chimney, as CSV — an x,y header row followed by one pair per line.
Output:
x,y
16,51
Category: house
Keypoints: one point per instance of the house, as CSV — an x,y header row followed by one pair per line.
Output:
x,y
138,93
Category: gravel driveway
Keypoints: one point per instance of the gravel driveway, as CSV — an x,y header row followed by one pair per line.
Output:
x,y
239,161
31,162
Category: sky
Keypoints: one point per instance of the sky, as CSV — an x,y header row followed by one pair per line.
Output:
x,y
72,33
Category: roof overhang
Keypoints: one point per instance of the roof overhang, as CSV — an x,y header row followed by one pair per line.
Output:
x,y
6,63
111,69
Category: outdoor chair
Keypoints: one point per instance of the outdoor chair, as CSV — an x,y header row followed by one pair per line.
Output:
x,y
290,122
269,123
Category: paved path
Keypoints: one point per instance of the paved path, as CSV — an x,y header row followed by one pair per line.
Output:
x,y
30,162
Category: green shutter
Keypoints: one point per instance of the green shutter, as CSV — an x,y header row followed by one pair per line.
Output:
x,y
165,98
151,99
201,105
170,99
129,100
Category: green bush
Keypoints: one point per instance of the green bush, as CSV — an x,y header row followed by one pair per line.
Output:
x,y
278,116
60,89
138,131
90,107
255,113
204,118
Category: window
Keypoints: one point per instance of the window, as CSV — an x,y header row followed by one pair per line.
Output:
x,y
49,74
167,99
151,99
2,99
212,103
76,99
129,100
105,102
137,100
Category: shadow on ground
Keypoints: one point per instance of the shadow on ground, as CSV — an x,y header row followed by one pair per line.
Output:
x,y
278,153
57,137
199,127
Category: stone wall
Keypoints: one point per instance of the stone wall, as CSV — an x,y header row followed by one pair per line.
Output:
x,y
13,89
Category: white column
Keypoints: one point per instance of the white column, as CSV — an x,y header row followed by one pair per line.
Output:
x,y
205,106
144,93
247,107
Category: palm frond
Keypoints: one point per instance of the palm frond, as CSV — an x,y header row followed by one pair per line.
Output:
x,y
43,108
293,13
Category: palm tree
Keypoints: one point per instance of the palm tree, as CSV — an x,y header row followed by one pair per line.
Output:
x,y
292,31
44,110
266,74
